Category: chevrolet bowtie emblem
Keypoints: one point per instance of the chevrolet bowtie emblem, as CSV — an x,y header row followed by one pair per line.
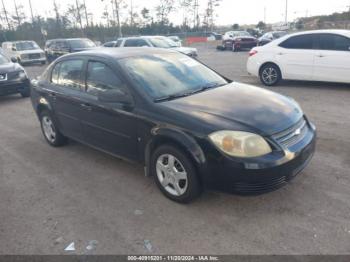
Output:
x,y
2,77
297,132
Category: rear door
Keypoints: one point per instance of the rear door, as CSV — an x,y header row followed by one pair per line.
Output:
x,y
65,96
108,126
296,57
332,61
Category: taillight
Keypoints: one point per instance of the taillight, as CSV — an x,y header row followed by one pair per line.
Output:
x,y
253,52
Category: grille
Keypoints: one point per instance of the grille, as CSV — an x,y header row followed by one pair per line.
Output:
x,y
292,135
259,187
34,56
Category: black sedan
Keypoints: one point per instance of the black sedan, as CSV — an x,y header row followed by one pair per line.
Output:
x,y
270,36
191,128
13,78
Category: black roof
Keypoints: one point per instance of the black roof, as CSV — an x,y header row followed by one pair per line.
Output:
x,y
124,52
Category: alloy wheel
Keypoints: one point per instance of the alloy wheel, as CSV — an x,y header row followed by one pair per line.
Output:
x,y
270,75
48,128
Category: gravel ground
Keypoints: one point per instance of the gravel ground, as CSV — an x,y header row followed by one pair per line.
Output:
x,y
51,197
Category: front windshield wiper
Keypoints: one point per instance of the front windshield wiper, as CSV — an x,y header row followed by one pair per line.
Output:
x,y
197,90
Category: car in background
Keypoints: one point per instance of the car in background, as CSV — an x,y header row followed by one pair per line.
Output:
x,y
158,42
55,48
191,128
320,55
13,78
176,40
270,36
238,40
26,52
115,43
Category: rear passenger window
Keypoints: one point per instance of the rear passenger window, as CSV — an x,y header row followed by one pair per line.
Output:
x,y
101,77
298,42
119,42
334,42
109,44
135,43
70,72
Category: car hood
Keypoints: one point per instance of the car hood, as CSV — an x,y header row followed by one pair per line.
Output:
x,y
9,67
185,50
33,51
240,107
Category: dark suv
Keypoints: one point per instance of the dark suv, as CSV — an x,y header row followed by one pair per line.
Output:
x,y
57,47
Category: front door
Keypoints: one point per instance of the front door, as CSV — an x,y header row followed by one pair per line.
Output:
x,y
108,126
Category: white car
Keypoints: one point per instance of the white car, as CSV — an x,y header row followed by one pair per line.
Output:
x,y
152,41
24,51
322,55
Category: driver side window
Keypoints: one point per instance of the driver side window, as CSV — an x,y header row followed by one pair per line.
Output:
x,y
101,77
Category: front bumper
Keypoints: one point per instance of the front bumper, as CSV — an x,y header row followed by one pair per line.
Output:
x,y
262,175
32,61
14,87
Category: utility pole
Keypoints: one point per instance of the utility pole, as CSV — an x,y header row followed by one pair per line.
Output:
x,y
286,19
6,17
116,2
17,14
265,15
131,14
31,11
86,14
79,16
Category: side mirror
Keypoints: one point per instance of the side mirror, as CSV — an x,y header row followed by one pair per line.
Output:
x,y
14,60
114,96
14,48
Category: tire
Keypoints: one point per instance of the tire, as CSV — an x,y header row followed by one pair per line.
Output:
x,y
270,75
56,139
177,181
43,62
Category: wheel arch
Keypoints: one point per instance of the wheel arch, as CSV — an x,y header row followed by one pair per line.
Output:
x,y
178,139
270,63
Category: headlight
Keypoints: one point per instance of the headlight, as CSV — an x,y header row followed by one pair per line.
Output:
x,y
240,144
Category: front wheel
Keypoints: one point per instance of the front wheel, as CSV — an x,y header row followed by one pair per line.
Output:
x,y
25,93
175,174
270,75
50,130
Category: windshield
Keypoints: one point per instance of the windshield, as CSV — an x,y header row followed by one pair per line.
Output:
x,y
162,42
27,45
81,43
165,75
3,60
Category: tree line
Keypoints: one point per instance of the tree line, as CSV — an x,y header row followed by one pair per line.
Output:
x,y
119,18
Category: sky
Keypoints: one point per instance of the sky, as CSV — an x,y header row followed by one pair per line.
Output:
x,y
229,12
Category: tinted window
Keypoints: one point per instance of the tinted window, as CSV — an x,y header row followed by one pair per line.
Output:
x,y
119,42
135,43
101,77
70,74
81,43
109,44
298,42
334,42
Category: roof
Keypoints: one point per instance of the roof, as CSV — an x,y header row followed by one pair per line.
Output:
x,y
327,31
118,53
143,36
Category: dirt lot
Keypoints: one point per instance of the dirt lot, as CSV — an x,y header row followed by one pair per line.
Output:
x,y
51,197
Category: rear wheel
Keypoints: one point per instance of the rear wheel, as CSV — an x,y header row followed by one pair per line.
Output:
x,y
270,75
50,130
175,174
25,93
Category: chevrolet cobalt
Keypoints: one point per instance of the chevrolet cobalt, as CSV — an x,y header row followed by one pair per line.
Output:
x,y
191,128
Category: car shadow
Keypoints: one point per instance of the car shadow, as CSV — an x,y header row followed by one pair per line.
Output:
x,y
10,98
316,85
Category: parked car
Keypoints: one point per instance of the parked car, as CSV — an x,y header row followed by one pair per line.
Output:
x,y
25,52
115,43
191,128
176,40
321,55
270,36
55,48
13,78
156,41
237,40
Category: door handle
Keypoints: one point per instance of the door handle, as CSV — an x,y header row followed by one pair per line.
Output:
x,y
280,53
320,55
86,106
